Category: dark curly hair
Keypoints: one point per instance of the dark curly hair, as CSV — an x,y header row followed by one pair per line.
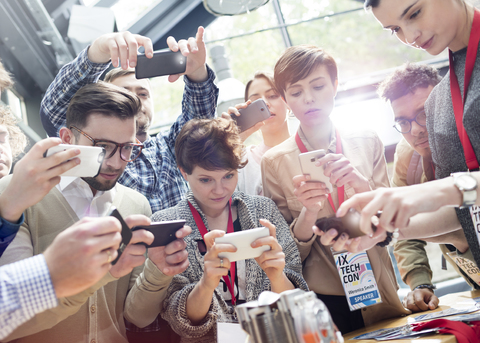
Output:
x,y
211,144
407,79
18,141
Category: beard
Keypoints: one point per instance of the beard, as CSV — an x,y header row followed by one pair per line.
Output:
x,y
107,184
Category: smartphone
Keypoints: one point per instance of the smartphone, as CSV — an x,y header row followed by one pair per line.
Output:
x,y
126,233
349,223
91,158
256,112
164,232
163,62
307,163
242,240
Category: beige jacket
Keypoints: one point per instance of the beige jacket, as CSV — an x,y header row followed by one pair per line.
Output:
x,y
95,315
366,153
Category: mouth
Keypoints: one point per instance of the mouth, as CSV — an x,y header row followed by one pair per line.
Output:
x,y
427,44
218,199
422,142
312,111
108,176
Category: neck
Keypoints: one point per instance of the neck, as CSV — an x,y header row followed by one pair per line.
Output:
x,y
212,212
272,139
318,136
94,191
463,35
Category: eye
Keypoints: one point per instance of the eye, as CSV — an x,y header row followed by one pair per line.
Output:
x,y
415,14
273,97
296,95
143,95
394,30
229,176
318,88
204,180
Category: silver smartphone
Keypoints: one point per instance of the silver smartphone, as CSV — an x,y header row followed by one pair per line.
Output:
x,y
256,112
91,158
307,163
163,62
242,240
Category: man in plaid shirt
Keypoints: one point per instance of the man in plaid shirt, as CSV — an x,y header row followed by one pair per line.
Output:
x,y
154,173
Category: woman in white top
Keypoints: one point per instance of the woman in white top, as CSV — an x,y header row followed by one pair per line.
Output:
x,y
274,131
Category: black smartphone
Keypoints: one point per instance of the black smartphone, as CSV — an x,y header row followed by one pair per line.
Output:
x,y
256,112
126,233
163,62
164,232
349,223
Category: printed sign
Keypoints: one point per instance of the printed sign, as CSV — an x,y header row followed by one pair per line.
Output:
x,y
358,280
475,213
468,266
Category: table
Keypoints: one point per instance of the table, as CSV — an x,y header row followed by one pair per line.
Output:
x,y
458,300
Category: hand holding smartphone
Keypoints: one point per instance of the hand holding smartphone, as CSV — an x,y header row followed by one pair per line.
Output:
x,y
307,163
91,158
349,223
164,232
163,62
254,113
242,241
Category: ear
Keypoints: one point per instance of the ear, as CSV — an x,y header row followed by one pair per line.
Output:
x,y
66,135
335,86
184,174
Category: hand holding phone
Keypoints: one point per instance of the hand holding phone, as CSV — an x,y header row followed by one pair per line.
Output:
x,y
91,158
254,113
242,240
307,163
164,232
349,223
163,62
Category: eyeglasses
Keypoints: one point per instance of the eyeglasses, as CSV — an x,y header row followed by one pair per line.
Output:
x,y
128,151
405,125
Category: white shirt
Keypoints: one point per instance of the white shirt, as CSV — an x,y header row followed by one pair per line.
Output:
x,y
80,197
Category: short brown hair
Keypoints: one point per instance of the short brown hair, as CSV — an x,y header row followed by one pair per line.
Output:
x,y
407,79
118,72
5,78
211,144
297,62
101,97
18,141
260,75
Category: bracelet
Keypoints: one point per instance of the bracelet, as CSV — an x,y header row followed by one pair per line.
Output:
x,y
391,239
430,287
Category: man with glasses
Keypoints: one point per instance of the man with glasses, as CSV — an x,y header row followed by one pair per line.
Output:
x,y
104,115
407,89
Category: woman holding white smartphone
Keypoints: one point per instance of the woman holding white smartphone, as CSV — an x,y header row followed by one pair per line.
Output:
x,y
274,130
209,153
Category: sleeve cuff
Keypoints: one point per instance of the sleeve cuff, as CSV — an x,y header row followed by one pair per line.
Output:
x,y
418,276
200,86
7,228
155,276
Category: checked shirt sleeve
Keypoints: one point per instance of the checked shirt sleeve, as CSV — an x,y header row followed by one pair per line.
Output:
x,y
69,80
25,290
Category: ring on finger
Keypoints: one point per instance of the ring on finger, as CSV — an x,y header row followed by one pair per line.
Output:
x,y
221,263
109,258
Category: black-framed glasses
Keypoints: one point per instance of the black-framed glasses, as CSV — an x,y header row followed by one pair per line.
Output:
x,y
128,151
405,125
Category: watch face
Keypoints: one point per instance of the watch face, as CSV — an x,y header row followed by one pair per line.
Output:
x,y
466,182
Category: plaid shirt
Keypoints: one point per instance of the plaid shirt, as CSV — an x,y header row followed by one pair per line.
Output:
x,y
8,231
25,290
154,173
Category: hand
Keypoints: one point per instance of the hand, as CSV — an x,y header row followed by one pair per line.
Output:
x,y
34,176
196,51
272,261
344,242
79,256
235,110
399,204
172,259
341,172
134,254
421,299
212,272
119,47
312,194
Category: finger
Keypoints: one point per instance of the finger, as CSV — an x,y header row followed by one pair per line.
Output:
x,y
108,241
177,258
137,220
98,226
173,78
218,248
277,263
358,200
328,158
175,246
132,46
271,228
199,36
183,47
209,238
114,53
39,149
340,243
270,241
353,245
183,232
172,270
433,303
122,51
192,44
338,173
336,167
233,110
225,115
328,238
58,170
298,179
243,105
146,43
141,236
172,44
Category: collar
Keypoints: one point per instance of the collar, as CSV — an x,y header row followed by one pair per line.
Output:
x,y
67,181
332,147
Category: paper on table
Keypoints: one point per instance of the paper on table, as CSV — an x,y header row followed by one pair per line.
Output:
x,y
444,313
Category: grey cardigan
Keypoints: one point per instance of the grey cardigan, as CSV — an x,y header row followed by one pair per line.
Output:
x,y
250,210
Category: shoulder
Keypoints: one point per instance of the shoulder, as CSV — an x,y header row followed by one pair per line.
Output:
x,y
132,199
285,148
359,135
176,212
404,149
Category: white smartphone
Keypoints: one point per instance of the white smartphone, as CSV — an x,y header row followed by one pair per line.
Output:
x,y
307,163
242,241
91,158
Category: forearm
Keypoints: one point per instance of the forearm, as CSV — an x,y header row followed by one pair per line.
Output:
x,y
198,302
431,224
303,227
280,284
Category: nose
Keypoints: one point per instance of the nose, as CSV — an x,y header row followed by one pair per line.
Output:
x,y
218,187
115,161
412,36
308,98
417,129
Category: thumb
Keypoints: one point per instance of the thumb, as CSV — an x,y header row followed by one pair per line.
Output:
x,y
271,228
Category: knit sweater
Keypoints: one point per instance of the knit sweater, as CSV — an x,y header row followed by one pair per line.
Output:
x,y
447,151
95,314
250,210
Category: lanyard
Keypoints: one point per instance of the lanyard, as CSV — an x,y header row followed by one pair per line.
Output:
x,y
203,230
340,190
457,101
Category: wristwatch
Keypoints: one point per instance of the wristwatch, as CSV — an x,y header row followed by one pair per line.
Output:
x,y
430,287
467,185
